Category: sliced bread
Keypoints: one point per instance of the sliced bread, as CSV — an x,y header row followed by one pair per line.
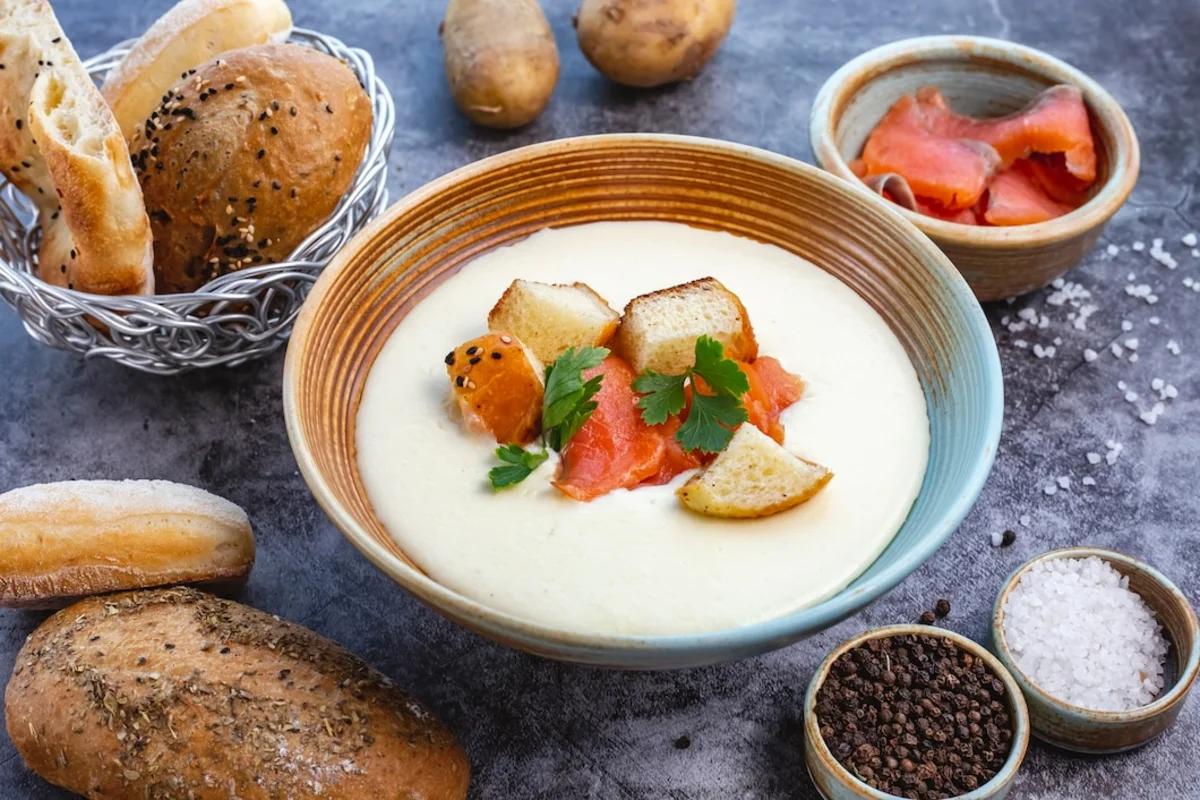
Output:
x,y
753,477
550,317
659,330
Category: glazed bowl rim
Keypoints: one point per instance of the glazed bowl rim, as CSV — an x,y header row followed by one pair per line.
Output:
x,y
710,645
1021,729
840,87
1183,682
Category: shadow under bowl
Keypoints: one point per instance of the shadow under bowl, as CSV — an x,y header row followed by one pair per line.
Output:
x,y
429,235
985,78
835,782
1084,730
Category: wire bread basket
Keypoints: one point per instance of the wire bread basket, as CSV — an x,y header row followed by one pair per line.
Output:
x,y
233,319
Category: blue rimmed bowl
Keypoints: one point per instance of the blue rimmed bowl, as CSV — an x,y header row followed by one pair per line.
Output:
x,y
835,782
1084,730
386,271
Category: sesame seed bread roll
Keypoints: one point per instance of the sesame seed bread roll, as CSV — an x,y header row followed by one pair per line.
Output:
x,y
173,693
190,33
61,146
62,541
246,158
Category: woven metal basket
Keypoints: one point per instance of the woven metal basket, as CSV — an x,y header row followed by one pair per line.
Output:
x,y
235,318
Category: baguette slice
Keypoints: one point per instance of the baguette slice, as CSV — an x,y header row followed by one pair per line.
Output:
x,y
753,477
551,317
61,541
189,34
174,694
659,330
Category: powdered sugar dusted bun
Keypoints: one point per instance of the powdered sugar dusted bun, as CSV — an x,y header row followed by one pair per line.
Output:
x,y
192,32
61,541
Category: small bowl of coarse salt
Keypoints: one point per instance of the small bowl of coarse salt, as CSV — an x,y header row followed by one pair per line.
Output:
x,y
1104,647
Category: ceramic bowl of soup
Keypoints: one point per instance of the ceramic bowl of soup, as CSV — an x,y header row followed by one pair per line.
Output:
x,y
984,78
839,286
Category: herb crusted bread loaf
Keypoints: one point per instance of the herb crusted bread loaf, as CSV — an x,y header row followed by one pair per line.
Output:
x,y
177,694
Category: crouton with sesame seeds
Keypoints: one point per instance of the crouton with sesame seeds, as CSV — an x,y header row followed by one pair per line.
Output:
x,y
498,384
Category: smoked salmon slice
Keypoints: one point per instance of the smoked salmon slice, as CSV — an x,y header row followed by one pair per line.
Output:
x,y
1056,121
614,449
949,169
782,387
1015,198
1051,173
676,460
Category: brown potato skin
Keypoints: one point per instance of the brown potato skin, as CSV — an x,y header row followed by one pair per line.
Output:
x,y
646,43
501,60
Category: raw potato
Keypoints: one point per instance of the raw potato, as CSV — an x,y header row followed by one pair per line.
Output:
x,y
501,60
652,42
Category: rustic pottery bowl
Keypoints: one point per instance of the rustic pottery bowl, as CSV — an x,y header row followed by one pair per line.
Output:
x,y
429,235
835,782
1083,730
982,77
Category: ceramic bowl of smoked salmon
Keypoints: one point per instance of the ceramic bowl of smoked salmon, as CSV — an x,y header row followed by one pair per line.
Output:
x,y
391,278
1009,159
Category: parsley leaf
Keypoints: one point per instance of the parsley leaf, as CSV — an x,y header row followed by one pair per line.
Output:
x,y
568,400
662,395
566,405
713,414
519,464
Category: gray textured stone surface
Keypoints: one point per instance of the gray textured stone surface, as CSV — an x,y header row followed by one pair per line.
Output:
x,y
538,729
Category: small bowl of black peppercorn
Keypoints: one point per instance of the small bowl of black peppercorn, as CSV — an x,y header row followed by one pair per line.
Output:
x,y
917,712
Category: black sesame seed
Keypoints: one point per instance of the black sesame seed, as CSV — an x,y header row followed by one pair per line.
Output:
x,y
262,153
476,360
16,169
450,358
224,651
292,111
328,110
26,164
72,253
274,131
255,185
70,286
56,40
63,269
276,185
54,215
228,86
262,116
262,244
472,350
496,354
182,75
19,124
295,192
459,381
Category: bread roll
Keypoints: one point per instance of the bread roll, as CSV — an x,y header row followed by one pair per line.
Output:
x,y
175,694
62,147
192,32
61,541
246,158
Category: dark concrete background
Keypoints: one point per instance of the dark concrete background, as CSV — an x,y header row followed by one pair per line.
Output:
x,y
538,729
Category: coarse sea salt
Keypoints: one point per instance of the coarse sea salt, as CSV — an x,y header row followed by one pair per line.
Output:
x,y
1077,631
1090,355
1112,249
1189,240
1173,347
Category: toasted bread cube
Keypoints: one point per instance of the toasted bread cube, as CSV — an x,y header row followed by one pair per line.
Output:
x,y
753,477
498,384
550,317
659,330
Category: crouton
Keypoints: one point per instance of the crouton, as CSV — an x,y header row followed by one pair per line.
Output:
x,y
659,330
498,384
753,477
550,317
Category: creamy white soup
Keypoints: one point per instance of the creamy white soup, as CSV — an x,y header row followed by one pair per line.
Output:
x,y
636,561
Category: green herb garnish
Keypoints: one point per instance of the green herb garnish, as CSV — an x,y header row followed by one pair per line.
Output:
x,y
566,405
714,413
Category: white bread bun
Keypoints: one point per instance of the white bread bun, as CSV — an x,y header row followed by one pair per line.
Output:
x,y
659,330
551,317
174,694
62,541
63,148
189,34
753,477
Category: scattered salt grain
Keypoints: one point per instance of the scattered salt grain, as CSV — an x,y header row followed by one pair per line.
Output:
x,y
1154,321
1068,292
1050,489
1188,281
1133,359
1131,397
1157,384
1116,349
1058,341
1077,631
997,538
1139,246
1195,253
1169,392
1113,451
1126,326
1162,256
1044,352
1189,240
1089,481
1090,355
1173,347
1079,321
1132,343
1058,283
1021,343
1025,520
1112,250
1064,482
1094,458
1027,314
1131,277
1151,417
1122,385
